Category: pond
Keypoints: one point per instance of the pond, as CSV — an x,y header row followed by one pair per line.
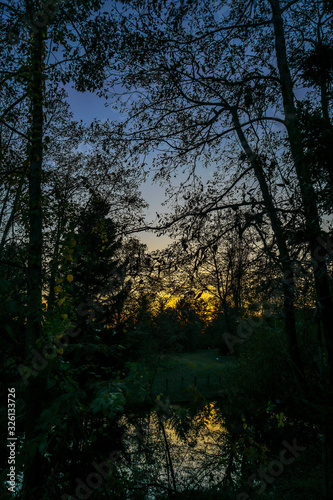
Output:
x,y
169,449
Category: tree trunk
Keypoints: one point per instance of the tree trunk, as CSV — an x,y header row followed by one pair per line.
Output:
x,y
326,117
169,460
10,221
288,281
304,177
35,390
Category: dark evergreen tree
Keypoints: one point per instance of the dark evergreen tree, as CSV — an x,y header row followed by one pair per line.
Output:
x,y
95,281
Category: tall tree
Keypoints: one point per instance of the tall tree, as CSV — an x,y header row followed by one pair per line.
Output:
x,y
29,68
198,86
34,268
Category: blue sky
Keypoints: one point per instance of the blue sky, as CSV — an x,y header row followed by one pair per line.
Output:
x,y
87,106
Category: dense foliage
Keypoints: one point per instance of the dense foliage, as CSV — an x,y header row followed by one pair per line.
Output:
x,y
204,369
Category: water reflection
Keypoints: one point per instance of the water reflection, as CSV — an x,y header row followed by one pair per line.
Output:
x,y
174,448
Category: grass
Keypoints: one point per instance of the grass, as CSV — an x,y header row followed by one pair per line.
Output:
x,y
177,373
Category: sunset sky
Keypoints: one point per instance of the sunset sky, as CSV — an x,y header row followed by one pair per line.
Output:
x,y
87,106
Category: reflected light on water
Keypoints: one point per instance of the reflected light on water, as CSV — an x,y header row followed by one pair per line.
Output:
x,y
194,444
